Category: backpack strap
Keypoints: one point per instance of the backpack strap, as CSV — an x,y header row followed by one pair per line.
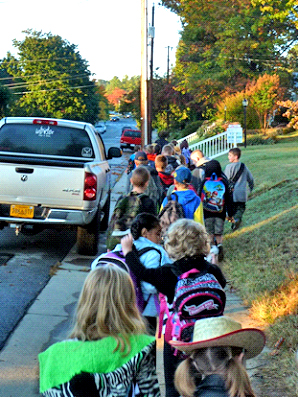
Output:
x,y
140,253
175,196
235,178
164,309
147,249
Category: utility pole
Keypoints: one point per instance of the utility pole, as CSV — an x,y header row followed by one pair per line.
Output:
x,y
151,34
144,72
168,80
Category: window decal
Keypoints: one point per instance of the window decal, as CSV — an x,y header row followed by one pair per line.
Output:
x,y
87,152
44,132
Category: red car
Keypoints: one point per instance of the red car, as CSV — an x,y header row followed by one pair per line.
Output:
x,y
130,138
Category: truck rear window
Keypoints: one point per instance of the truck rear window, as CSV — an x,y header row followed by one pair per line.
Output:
x,y
132,134
45,140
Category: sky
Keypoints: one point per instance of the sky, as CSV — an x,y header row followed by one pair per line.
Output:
x,y
107,33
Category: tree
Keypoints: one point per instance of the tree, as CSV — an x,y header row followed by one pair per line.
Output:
x,y
225,43
4,100
115,96
264,94
56,80
291,112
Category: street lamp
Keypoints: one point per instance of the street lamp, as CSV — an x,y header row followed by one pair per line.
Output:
x,y
244,104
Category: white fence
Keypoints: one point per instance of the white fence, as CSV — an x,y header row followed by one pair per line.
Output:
x,y
214,146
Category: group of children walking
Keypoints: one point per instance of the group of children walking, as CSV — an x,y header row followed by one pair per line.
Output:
x,y
111,350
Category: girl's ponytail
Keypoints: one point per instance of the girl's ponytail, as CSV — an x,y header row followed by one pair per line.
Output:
x,y
143,220
237,380
185,378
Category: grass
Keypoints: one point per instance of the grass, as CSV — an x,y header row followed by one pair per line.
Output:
x,y
262,257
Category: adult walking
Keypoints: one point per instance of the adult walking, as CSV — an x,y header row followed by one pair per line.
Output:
x,y
244,177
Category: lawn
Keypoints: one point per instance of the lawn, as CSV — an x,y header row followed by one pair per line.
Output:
x,y
261,258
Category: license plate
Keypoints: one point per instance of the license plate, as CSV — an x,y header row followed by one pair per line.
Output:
x,y
22,211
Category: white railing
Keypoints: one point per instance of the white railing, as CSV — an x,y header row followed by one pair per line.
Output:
x,y
212,147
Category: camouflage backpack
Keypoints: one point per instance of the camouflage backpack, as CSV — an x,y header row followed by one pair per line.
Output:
x,y
171,212
125,211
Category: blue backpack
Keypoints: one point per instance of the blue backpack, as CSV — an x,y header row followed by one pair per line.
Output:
x,y
212,195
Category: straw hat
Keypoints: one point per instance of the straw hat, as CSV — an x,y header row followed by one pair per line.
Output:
x,y
223,331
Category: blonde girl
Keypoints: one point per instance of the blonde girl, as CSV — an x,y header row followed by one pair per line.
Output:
x,y
187,244
215,367
108,353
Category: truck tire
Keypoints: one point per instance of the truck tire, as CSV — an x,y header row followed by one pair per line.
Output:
x,y
106,210
88,237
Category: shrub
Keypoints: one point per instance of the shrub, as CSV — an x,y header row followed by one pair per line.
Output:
x,y
192,127
260,139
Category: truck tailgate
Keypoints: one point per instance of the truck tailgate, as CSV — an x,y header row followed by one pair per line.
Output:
x,y
61,187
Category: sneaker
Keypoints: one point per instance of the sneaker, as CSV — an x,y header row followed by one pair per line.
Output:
x,y
220,253
236,224
213,255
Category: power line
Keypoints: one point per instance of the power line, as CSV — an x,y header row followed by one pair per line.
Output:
x,y
54,89
24,84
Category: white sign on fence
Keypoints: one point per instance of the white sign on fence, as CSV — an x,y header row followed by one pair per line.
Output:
x,y
234,130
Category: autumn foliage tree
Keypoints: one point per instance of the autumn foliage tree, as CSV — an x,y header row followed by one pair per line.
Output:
x,y
291,112
263,95
116,96
226,43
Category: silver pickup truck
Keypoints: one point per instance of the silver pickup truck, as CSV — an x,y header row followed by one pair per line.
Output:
x,y
54,173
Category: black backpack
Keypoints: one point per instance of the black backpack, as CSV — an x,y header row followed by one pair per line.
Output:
x,y
198,294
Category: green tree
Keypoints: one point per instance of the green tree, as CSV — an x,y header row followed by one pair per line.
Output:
x,y
56,80
225,43
4,100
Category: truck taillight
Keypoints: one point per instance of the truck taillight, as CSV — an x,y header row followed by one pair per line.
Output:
x,y
90,187
44,122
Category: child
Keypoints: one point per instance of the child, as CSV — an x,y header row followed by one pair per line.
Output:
x,y
187,243
149,150
131,162
167,179
108,353
146,232
129,206
169,152
214,220
240,191
189,200
214,366
154,189
185,151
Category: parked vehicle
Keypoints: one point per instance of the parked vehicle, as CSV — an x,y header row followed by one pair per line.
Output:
x,y
100,127
130,138
54,173
115,118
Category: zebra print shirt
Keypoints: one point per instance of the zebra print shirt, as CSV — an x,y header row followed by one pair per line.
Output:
x,y
136,378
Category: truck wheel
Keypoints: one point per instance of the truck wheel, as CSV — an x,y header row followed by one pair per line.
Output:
x,y
106,210
88,238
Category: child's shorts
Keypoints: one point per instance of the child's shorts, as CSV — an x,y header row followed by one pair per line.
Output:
x,y
214,225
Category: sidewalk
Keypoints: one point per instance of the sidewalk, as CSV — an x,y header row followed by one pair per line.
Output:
x,y
49,319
